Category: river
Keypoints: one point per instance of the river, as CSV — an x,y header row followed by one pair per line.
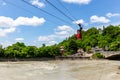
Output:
x,y
60,70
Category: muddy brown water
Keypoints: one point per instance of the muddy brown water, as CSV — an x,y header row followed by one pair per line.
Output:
x,y
60,70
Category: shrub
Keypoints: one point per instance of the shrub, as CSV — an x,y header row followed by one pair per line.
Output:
x,y
68,53
98,56
88,48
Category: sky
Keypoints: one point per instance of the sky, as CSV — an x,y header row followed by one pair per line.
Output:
x,y
21,22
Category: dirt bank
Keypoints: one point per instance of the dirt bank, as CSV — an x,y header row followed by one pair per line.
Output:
x,y
60,70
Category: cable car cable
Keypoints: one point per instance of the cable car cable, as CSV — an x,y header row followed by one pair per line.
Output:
x,y
69,13
59,10
46,12
66,10
79,24
12,4
18,6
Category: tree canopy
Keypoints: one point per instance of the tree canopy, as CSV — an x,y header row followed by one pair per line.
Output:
x,y
110,38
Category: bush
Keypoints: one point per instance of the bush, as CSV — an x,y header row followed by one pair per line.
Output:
x,y
98,56
88,48
66,54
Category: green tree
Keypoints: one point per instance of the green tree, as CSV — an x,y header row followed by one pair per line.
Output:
x,y
14,50
30,51
110,37
91,31
9,52
72,46
114,46
103,41
112,32
43,52
54,50
1,51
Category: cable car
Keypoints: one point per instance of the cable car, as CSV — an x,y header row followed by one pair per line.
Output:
x,y
79,32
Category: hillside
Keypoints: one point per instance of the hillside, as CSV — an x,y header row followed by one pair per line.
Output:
x,y
109,39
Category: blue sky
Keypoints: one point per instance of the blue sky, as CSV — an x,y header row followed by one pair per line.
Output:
x,y
20,22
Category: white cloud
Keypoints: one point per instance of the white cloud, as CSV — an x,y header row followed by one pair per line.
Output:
x,y
79,21
37,3
52,43
112,14
4,3
101,19
19,39
46,38
34,21
6,21
78,1
4,32
64,27
64,31
6,43
9,25
113,23
61,32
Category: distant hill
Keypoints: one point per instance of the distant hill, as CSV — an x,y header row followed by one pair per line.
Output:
x,y
108,38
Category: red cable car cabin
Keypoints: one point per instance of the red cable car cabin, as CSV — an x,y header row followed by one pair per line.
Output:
x,y
79,35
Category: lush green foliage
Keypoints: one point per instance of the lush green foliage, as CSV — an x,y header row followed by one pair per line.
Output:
x,y
98,56
19,50
1,51
110,38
